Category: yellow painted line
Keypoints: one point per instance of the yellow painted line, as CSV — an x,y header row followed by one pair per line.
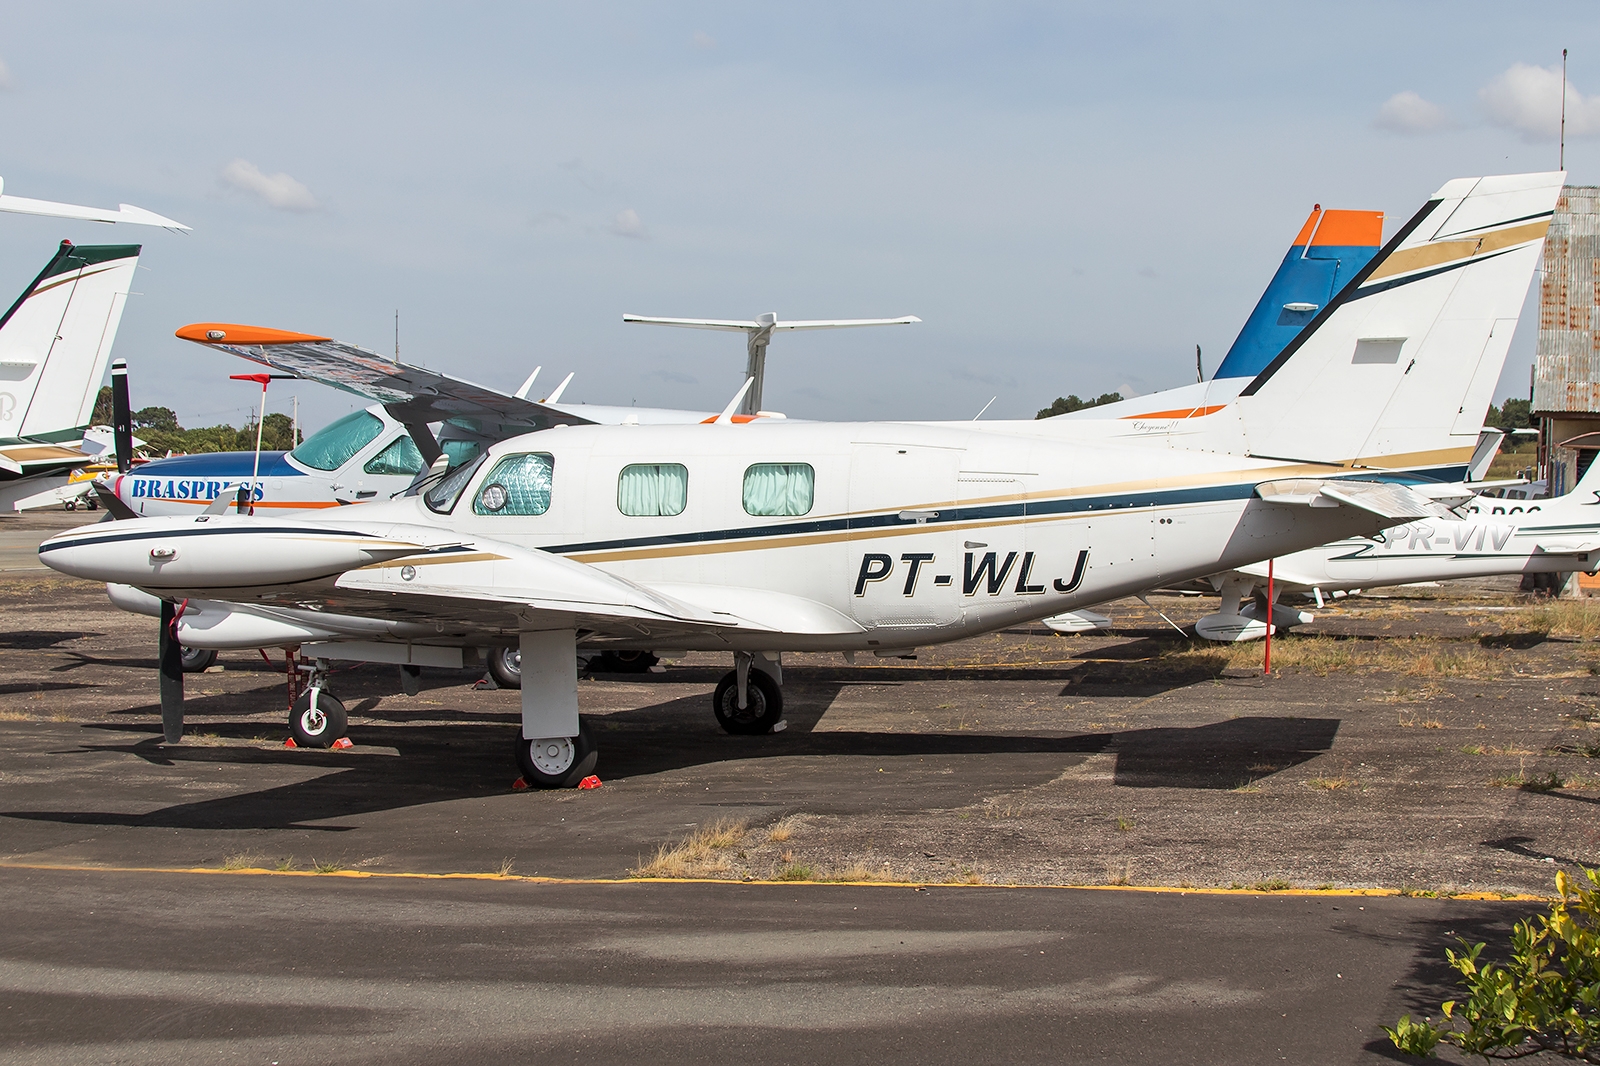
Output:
x,y
1170,890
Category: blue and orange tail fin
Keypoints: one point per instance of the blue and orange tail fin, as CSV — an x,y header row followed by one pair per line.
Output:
x,y
1329,250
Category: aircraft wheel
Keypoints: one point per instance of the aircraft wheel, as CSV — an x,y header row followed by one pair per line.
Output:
x,y
763,703
506,666
317,726
557,762
197,660
622,662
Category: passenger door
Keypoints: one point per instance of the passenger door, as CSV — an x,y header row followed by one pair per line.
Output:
x,y
905,559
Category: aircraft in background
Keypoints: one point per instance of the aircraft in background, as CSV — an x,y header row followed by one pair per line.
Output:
x,y
1332,248
1494,537
125,213
55,342
772,536
375,454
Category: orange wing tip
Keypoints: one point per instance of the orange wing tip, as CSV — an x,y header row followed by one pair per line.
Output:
x,y
231,333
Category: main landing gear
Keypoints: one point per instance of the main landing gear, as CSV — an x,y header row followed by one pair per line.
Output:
x,y
557,762
749,702
317,719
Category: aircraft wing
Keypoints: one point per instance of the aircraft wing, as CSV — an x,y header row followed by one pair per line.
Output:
x,y
411,574
413,394
737,324
1282,576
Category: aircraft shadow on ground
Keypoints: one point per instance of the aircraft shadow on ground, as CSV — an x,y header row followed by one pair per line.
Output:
x,y
40,638
446,762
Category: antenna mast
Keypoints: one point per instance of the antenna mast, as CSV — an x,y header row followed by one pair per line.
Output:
x,y
1563,156
397,334
1199,372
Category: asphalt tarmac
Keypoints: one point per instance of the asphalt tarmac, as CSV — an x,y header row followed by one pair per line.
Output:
x,y
107,966
1024,757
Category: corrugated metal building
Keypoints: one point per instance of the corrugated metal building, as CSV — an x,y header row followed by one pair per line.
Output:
x,y
1566,383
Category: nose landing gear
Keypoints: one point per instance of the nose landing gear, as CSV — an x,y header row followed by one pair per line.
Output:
x,y
317,718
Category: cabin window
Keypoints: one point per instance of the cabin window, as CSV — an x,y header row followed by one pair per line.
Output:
x,y
779,489
518,485
334,445
400,457
459,451
653,489
443,496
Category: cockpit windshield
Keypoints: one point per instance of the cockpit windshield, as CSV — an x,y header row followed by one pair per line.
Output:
x,y
443,496
334,445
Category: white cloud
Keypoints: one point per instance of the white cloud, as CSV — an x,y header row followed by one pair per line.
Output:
x,y
1528,99
5,77
702,39
275,190
628,224
1406,112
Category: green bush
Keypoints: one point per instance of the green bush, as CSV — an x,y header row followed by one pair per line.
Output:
x,y
1546,998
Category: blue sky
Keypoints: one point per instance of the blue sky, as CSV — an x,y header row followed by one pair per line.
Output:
x,y
1070,196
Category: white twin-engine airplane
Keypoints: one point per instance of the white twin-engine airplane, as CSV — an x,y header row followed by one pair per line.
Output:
x,y
774,536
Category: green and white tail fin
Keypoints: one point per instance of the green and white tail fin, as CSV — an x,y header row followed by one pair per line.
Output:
x,y
55,341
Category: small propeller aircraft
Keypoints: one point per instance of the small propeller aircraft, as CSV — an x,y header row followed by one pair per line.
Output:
x,y
1495,536
55,341
769,536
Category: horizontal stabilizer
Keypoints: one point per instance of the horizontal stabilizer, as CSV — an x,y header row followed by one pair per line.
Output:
x,y
1384,499
22,205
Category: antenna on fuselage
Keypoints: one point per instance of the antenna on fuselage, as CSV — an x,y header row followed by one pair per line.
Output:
x,y
758,334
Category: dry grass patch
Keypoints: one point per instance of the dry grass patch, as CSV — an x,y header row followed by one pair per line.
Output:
x,y
783,829
1329,784
1576,619
1418,657
15,716
700,854
244,860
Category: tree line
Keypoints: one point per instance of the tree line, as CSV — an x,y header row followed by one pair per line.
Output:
x,y
159,428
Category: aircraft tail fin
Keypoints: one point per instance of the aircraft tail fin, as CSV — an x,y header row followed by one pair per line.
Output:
x,y
1400,365
55,341
1331,248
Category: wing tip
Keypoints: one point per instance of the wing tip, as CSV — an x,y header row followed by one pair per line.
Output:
x,y
232,333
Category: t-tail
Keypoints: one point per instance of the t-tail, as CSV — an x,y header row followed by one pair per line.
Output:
x,y
56,339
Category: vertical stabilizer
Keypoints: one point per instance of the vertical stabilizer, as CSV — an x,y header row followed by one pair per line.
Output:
x,y
56,339
1398,368
1330,249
